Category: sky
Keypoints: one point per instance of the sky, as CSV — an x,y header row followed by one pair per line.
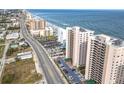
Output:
x,y
63,4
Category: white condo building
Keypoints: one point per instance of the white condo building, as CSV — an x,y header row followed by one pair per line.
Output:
x,y
76,44
105,60
61,33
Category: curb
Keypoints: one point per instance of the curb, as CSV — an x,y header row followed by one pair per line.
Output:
x,y
55,65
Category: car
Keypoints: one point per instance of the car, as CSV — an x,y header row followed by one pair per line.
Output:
x,y
79,76
62,68
59,62
70,77
61,65
73,69
82,79
65,71
76,83
76,73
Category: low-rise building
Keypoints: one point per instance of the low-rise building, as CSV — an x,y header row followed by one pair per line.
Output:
x,y
12,36
28,15
48,31
2,28
35,32
61,33
23,43
14,45
2,34
24,55
14,23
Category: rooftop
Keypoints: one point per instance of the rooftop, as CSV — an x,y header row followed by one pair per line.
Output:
x,y
110,40
79,28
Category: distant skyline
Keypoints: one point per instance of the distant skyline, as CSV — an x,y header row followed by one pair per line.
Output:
x,y
62,4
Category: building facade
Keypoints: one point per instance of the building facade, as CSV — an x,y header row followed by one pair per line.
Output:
x,y
105,61
76,44
48,31
59,32
37,26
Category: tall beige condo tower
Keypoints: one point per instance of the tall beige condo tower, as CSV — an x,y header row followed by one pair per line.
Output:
x,y
105,60
37,26
76,44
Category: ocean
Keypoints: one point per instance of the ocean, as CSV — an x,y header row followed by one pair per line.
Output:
x,y
110,22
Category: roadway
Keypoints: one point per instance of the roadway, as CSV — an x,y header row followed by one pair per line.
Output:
x,y
3,60
50,72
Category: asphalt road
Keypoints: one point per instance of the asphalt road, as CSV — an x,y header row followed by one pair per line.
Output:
x,y
51,74
4,57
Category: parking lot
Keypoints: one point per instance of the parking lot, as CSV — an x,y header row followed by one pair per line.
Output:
x,y
72,74
56,51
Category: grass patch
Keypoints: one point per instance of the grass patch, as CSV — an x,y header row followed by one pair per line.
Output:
x,y
68,59
81,69
90,82
12,52
2,41
8,79
1,50
21,72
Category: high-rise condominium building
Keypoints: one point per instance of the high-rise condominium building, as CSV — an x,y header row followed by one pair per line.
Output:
x,y
37,26
76,44
105,60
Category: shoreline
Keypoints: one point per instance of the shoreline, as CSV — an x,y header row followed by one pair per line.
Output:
x,y
62,28
52,24
48,23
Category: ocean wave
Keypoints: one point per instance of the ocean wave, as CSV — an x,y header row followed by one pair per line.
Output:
x,y
109,22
